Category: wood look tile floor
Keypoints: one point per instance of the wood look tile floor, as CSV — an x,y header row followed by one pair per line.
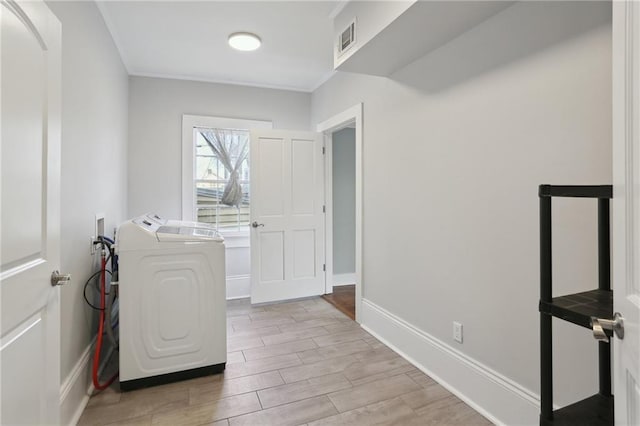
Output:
x,y
293,363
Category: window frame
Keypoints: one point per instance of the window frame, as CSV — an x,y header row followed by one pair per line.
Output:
x,y
189,123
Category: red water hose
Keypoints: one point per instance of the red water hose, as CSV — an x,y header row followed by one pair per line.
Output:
x,y
96,355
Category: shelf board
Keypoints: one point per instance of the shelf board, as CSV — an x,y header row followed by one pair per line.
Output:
x,y
580,191
578,308
593,411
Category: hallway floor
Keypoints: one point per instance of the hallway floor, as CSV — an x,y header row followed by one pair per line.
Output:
x,y
292,363
344,299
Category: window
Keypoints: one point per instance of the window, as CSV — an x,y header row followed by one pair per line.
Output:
x,y
215,171
222,177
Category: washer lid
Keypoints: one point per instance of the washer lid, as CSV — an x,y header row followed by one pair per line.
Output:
x,y
185,233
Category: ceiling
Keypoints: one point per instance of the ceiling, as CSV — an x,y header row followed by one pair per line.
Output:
x,y
188,40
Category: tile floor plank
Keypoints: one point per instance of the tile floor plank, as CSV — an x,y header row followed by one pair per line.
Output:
x,y
297,391
383,375
334,339
362,395
422,398
342,326
261,365
308,371
312,323
210,411
240,343
334,351
138,421
200,394
388,412
268,315
280,349
420,378
234,357
306,315
258,332
363,370
450,411
292,336
376,354
224,422
292,414
252,325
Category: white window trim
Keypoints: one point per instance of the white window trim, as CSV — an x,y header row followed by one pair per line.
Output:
x,y
189,122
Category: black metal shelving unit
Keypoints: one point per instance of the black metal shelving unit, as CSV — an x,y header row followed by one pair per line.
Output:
x,y
576,308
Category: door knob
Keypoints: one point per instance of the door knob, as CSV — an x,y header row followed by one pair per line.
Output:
x,y
256,224
59,279
599,325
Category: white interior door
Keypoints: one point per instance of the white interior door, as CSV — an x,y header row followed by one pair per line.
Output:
x,y
626,208
29,213
287,195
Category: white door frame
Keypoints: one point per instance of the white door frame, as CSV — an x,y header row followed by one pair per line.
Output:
x,y
352,116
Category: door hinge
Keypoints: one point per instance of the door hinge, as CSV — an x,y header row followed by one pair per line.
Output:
x,y
324,150
324,209
324,267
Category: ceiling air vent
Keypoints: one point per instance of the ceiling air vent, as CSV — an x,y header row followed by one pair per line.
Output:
x,y
347,38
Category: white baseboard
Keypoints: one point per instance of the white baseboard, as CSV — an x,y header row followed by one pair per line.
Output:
x,y
498,398
73,391
238,287
344,279
77,387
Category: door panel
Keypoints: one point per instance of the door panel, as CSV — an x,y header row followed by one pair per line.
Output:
x,y
29,212
270,165
302,177
304,253
272,256
24,377
23,83
287,248
626,208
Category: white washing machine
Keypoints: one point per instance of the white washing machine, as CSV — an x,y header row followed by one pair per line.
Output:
x,y
153,217
172,302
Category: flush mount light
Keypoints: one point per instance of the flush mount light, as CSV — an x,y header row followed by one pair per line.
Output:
x,y
244,41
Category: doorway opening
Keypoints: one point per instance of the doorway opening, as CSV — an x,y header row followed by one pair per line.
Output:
x,y
343,219
343,177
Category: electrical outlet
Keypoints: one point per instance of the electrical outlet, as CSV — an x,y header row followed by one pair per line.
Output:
x,y
457,332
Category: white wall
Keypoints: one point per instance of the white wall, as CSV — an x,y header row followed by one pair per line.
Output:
x,y
238,267
459,141
156,107
344,202
94,171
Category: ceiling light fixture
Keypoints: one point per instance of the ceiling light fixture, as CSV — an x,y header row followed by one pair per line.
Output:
x,y
244,41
